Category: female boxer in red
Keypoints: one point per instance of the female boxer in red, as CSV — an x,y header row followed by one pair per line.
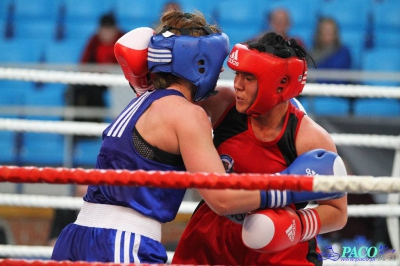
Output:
x,y
257,129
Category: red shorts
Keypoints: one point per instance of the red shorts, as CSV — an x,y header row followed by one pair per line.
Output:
x,y
216,240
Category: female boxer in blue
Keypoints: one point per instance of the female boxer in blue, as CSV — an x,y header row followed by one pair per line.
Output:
x,y
160,130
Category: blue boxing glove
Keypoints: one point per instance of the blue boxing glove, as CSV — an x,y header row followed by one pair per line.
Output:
x,y
315,162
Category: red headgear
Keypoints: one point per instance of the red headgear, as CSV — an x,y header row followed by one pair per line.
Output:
x,y
279,79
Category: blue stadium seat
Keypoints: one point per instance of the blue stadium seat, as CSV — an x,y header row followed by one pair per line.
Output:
x,y
36,10
86,151
80,30
327,106
8,148
141,13
354,40
377,107
128,23
64,52
2,29
240,13
46,95
384,60
238,33
20,51
350,15
5,8
207,7
87,10
13,92
387,38
385,15
40,30
42,149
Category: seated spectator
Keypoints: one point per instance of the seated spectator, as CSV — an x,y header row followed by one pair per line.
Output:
x,y
99,50
278,20
328,52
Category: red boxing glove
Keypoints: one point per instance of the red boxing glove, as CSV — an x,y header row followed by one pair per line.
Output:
x,y
273,230
141,84
131,53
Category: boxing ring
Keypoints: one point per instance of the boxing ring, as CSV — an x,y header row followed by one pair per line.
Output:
x,y
39,255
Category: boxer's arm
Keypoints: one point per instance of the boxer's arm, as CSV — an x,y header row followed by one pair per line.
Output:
x,y
333,213
216,105
199,155
131,53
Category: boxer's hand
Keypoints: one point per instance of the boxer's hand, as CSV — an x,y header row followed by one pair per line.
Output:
x,y
131,53
312,163
273,230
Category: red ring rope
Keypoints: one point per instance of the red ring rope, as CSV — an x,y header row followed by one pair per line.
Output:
x,y
12,262
163,179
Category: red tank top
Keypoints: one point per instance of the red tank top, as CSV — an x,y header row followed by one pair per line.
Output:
x,y
255,156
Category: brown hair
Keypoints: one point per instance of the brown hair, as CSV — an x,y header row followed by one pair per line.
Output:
x,y
177,20
317,40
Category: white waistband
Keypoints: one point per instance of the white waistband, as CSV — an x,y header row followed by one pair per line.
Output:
x,y
118,218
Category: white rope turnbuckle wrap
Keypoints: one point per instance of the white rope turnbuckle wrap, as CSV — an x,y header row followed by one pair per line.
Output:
x,y
357,184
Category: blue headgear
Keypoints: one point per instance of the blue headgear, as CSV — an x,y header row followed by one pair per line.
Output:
x,y
196,59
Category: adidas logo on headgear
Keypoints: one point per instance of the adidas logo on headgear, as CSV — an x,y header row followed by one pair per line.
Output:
x,y
233,57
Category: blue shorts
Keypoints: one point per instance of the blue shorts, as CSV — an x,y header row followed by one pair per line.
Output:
x,y
82,243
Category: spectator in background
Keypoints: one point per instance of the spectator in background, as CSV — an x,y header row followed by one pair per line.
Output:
x,y
98,50
278,20
171,6
168,6
328,52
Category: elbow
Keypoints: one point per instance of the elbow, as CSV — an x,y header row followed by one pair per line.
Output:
x,y
219,204
342,222
221,207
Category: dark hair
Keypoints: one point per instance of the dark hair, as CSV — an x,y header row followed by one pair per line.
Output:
x,y
275,44
107,20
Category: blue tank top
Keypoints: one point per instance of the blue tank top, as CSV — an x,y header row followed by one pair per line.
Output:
x,y
118,152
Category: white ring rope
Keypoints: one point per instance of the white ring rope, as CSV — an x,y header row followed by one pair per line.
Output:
x,y
66,77
63,202
69,77
96,129
21,251
44,252
58,127
35,252
187,207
